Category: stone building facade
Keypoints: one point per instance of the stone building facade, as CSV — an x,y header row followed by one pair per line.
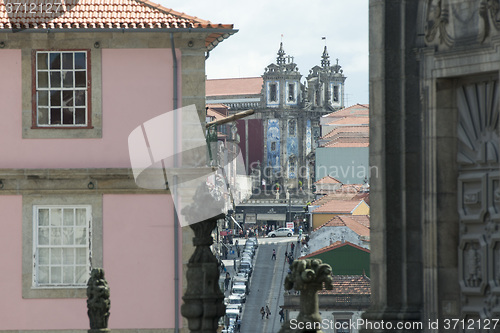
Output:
x,y
289,112
435,222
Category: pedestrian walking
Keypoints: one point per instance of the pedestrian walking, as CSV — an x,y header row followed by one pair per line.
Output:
x,y
286,254
268,312
292,247
273,257
262,312
226,281
282,316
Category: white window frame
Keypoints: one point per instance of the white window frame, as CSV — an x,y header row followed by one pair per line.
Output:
x,y
72,105
36,247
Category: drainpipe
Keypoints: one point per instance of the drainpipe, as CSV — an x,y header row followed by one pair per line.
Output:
x,y
176,220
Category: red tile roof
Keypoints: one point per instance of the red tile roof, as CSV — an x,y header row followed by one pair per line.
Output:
x,y
351,120
217,110
359,226
328,180
338,206
214,114
334,246
349,285
342,142
345,192
231,87
354,110
358,131
107,14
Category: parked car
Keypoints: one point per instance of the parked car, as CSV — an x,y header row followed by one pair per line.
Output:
x,y
242,283
240,290
246,257
254,240
245,267
281,232
238,307
241,277
233,300
251,242
249,248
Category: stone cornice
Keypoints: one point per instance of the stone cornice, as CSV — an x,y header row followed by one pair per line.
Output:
x,y
85,180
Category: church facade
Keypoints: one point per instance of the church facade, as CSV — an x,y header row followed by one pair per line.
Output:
x,y
287,112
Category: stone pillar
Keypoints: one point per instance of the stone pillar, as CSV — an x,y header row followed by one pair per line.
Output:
x,y
203,300
308,276
395,162
98,302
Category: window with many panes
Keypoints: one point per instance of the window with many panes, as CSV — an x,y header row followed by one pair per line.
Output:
x,y
62,89
61,245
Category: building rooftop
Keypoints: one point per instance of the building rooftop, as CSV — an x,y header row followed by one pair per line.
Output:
x,y
354,110
361,131
234,87
350,120
334,246
108,14
343,142
349,285
359,226
328,180
338,206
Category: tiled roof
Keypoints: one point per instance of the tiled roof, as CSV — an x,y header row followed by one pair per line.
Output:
x,y
328,180
348,142
349,285
334,222
107,14
359,226
361,230
351,120
338,206
214,114
345,192
334,246
217,110
232,87
354,110
360,131
362,219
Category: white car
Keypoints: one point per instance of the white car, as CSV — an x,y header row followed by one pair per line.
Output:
x,y
240,290
284,232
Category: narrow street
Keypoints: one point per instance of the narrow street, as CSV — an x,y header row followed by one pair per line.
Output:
x,y
266,286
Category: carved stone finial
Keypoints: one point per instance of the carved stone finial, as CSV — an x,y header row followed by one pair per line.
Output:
x,y
203,299
308,276
325,59
281,55
98,302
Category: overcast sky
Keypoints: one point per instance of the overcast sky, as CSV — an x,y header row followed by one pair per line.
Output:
x,y
302,23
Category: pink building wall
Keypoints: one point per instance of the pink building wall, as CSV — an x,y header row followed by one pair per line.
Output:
x,y
138,261
137,229
136,86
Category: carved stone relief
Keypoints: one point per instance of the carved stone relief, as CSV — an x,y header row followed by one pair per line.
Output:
x,y
478,187
455,22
